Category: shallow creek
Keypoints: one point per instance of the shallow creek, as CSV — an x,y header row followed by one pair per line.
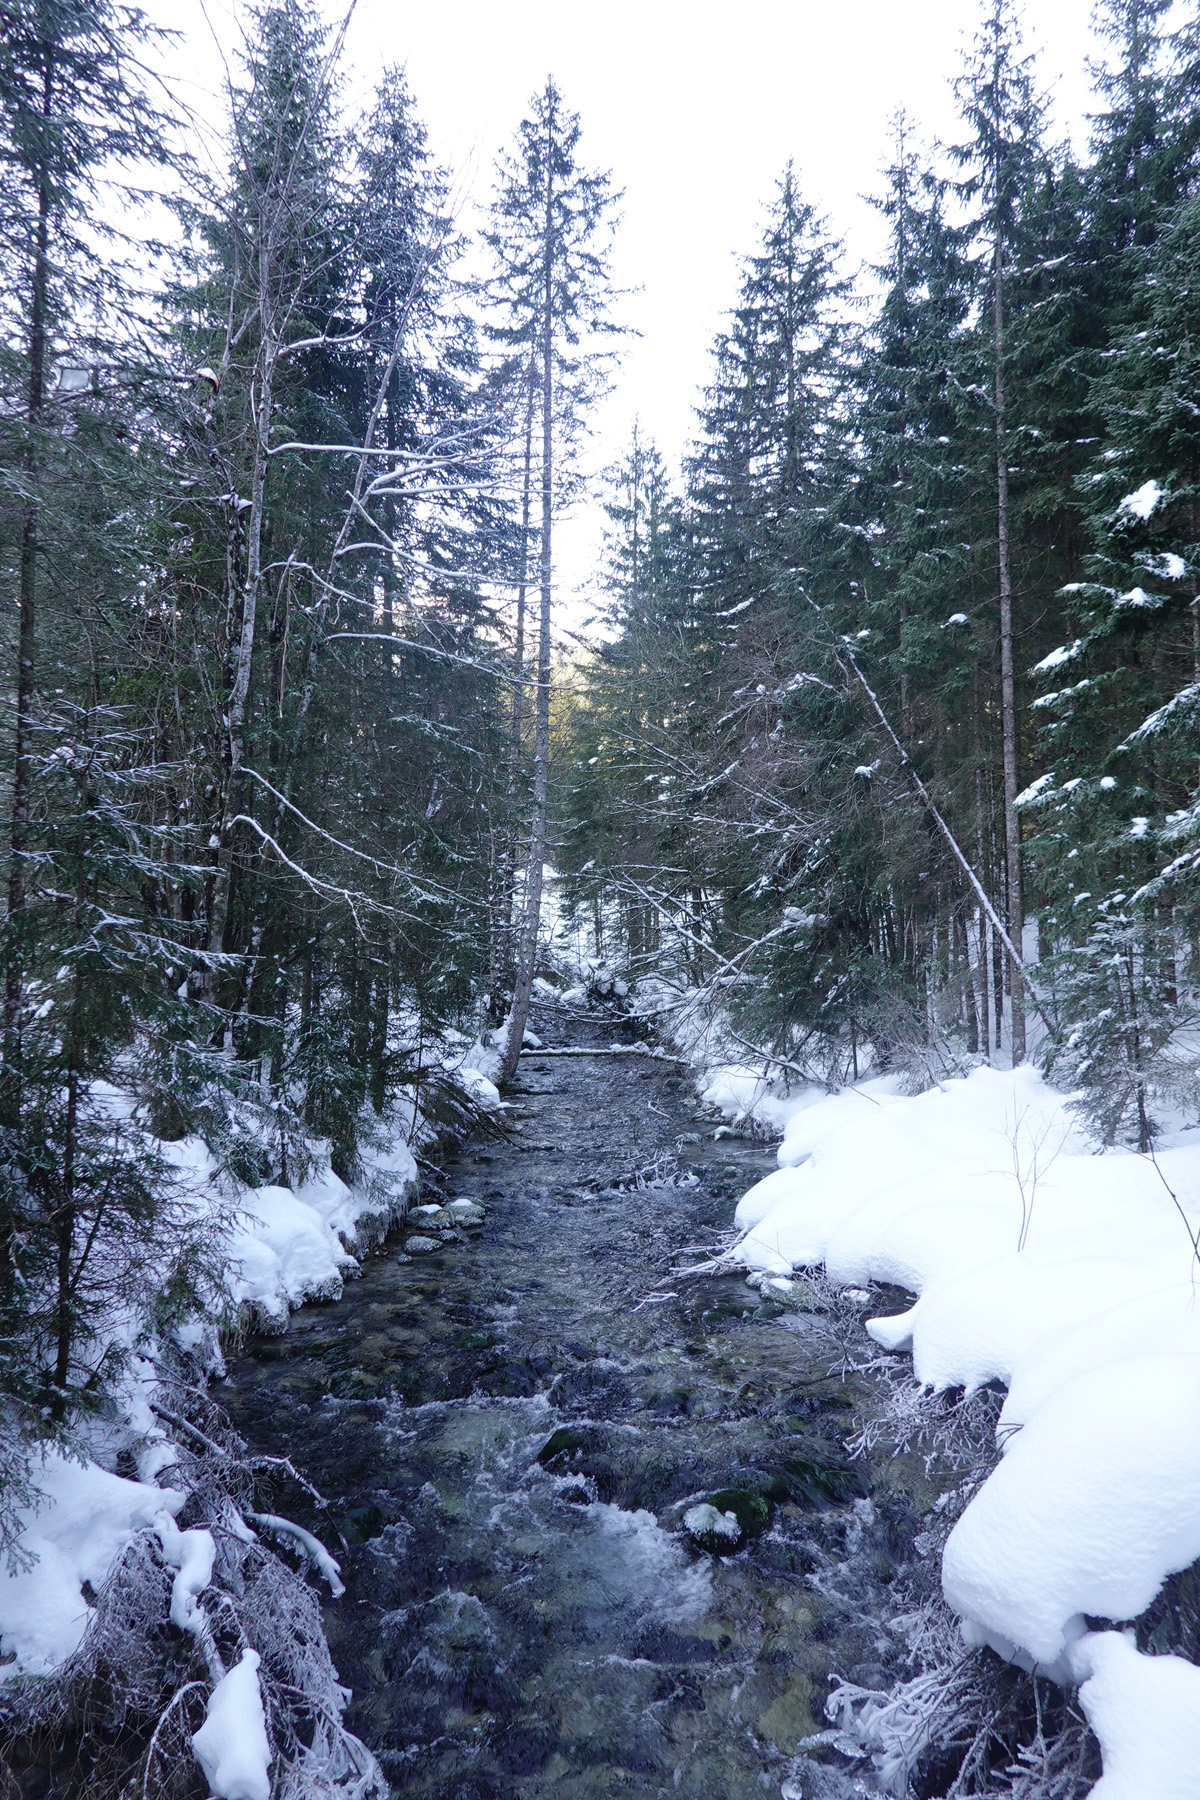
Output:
x,y
525,1614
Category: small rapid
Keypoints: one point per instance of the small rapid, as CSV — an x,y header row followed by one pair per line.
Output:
x,y
509,1430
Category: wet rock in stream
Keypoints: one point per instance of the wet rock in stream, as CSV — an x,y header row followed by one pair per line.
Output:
x,y
512,1430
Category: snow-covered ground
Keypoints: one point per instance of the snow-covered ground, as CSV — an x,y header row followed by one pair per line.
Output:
x,y
278,1248
1071,1277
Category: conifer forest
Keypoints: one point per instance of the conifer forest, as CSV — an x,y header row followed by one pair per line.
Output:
x,y
870,766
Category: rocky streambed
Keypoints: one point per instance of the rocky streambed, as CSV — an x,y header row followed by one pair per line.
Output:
x,y
601,1529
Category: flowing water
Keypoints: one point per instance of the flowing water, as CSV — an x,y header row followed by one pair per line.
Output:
x,y
509,1431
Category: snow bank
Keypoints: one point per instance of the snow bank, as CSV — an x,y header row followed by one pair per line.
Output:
x,y
1095,1501
286,1246
84,1520
808,1124
743,1093
1162,1319
1041,1263
283,1252
952,1145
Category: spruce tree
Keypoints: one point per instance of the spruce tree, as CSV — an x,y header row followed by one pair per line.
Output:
x,y
1007,162
550,230
72,106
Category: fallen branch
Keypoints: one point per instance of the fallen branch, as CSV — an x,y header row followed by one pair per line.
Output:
x,y
609,1050
927,801
312,1547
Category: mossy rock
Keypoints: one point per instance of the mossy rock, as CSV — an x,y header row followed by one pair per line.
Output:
x,y
816,1475
563,1443
474,1340
752,1511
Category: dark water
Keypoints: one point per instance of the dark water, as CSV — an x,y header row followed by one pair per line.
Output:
x,y
523,1627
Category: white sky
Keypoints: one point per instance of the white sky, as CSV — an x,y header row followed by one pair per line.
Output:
x,y
695,109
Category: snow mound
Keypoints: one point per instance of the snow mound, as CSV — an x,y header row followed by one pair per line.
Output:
x,y
284,1252
1145,1710
1041,1263
951,1145
290,1245
1095,1502
1160,1320
828,1112
231,1746
85,1519
743,1093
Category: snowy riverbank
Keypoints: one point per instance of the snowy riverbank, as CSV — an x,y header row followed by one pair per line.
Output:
x,y
1071,1278
130,1475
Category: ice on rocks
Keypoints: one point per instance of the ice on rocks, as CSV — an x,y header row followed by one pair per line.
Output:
x,y
704,1521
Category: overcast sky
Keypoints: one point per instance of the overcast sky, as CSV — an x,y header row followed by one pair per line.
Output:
x,y
695,109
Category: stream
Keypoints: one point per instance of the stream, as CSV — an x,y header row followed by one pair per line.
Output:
x,y
509,1429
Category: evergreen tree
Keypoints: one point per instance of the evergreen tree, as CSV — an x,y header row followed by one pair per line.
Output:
x,y
1008,163
1116,812
71,106
551,222
630,702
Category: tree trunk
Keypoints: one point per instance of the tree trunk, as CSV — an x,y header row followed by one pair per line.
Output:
x,y
505,961
235,737
64,1225
968,986
1008,707
27,630
981,865
523,986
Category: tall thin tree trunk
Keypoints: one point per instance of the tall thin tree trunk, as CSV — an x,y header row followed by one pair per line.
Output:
x,y
65,1219
27,630
235,738
981,865
523,986
968,986
508,878
1008,706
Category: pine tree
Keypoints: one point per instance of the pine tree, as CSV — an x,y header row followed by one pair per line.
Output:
x,y
1115,812
1007,160
551,222
1139,152
354,854
72,105
630,700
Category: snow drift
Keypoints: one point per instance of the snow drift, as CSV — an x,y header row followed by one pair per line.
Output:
x,y
1070,1277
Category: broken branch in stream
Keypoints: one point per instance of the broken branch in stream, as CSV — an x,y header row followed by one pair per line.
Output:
x,y
927,800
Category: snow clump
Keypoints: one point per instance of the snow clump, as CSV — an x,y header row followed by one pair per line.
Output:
x,y
1142,502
